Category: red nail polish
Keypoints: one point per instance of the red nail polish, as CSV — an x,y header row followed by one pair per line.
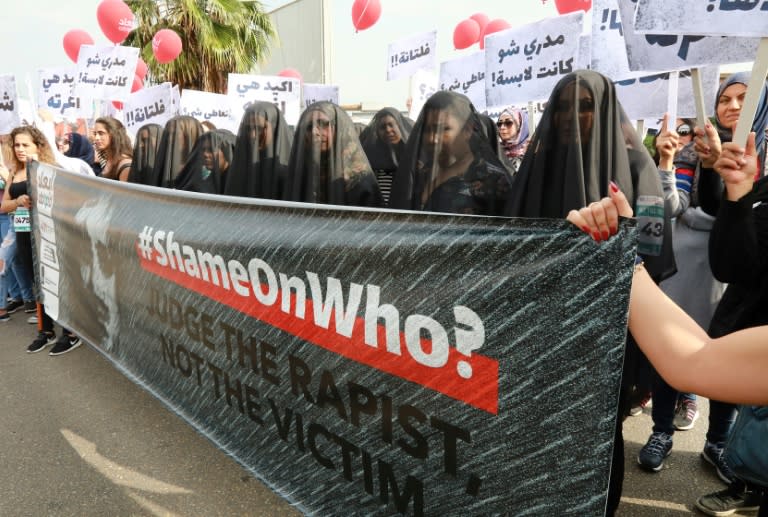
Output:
x,y
596,236
614,187
614,230
586,230
606,235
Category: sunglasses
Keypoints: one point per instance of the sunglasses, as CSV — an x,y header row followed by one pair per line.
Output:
x,y
320,123
683,130
505,123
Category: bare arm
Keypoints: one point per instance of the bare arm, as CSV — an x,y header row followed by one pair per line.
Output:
x,y
731,368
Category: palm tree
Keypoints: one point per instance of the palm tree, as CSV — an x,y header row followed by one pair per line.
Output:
x,y
219,37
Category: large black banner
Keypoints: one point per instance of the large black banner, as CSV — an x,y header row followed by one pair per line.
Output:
x,y
359,362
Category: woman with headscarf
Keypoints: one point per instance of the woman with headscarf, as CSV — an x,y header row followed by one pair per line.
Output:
x,y
738,303
449,164
79,147
513,135
179,136
583,143
262,151
113,144
145,148
328,164
208,163
384,144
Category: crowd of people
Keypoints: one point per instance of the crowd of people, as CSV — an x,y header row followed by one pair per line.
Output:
x,y
693,199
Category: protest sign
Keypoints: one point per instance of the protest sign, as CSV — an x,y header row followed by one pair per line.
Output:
x,y
525,63
213,107
360,362
56,92
283,92
608,37
9,105
105,72
407,55
655,52
151,105
647,97
320,92
465,75
423,84
710,17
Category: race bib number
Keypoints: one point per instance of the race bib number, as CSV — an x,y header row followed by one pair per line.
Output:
x,y
650,222
21,220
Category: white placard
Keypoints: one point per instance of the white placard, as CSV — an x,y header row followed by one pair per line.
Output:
x,y
647,97
283,92
703,17
9,104
525,63
608,36
655,52
213,107
465,75
584,62
423,85
106,72
320,92
407,55
152,105
56,92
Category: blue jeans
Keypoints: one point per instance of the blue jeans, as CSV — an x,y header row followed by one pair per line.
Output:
x,y
14,277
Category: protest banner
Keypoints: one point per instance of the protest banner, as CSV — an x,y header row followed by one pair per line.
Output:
x,y
711,17
647,97
105,72
56,92
283,92
423,84
657,52
213,107
320,92
407,55
465,75
524,64
360,362
9,104
151,105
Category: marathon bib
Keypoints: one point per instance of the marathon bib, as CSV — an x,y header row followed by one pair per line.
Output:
x,y
21,220
650,222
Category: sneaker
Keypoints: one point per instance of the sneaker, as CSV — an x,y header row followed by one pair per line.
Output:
x,y
13,305
43,340
30,306
66,343
686,414
713,454
5,317
728,501
651,456
32,320
638,406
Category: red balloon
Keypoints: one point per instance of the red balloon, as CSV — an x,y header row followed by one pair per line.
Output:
x,y
569,6
117,104
166,45
481,19
290,72
141,69
72,41
115,19
137,85
493,26
365,13
466,33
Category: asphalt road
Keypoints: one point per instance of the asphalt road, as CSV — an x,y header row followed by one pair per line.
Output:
x,y
77,438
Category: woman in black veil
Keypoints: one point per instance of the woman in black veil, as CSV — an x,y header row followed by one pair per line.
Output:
x,y
145,148
178,138
261,154
208,163
449,163
327,162
584,142
384,144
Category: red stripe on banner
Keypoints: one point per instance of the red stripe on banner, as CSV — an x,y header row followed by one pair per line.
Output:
x,y
481,390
